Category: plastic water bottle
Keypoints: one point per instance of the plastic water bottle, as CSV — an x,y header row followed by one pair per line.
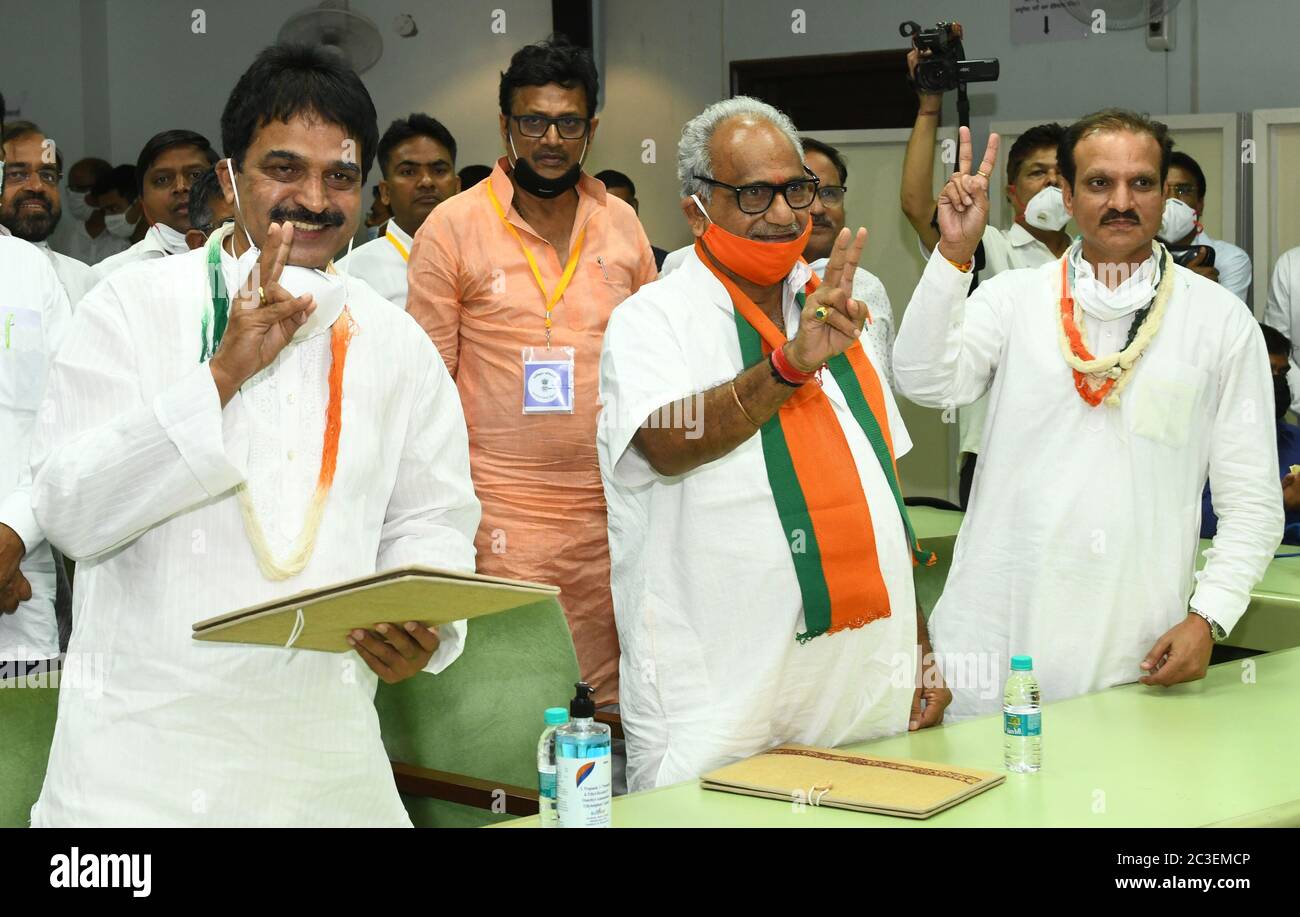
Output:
x,y
1022,719
583,766
546,811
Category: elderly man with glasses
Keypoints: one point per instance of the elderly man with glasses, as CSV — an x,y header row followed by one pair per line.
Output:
x,y
762,555
514,281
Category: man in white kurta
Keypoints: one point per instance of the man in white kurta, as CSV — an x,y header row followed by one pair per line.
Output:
x,y
33,317
135,478
1079,544
381,263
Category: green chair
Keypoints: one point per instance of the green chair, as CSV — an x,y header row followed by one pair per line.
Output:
x,y
464,743
27,711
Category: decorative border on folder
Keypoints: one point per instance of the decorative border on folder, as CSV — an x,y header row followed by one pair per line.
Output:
x,y
969,779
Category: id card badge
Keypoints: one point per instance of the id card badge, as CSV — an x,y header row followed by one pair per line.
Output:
x,y
548,380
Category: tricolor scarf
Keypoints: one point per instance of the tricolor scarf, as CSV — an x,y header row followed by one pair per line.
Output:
x,y
818,494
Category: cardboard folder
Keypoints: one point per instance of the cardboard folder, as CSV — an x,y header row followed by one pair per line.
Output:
x,y
861,783
424,594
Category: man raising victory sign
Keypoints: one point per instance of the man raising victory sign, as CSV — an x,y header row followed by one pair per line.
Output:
x,y
226,427
762,556
1118,381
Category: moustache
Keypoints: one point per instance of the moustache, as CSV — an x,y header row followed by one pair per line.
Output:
x,y
820,222
33,196
1114,215
302,215
772,234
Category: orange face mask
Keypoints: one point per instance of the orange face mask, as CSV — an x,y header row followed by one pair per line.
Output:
x,y
758,262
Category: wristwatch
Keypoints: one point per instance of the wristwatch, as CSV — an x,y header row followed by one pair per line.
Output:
x,y
1217,633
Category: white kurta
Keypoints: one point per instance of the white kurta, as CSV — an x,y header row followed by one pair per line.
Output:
x,y
147,249
1079,544
705,593
70,238
33,317
1282,312
1232,263
380,264
134,479
77,278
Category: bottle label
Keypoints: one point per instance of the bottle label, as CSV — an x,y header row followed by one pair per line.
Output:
x,y
1022,724
583,786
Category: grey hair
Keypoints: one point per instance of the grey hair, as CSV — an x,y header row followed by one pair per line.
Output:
x,y
693,151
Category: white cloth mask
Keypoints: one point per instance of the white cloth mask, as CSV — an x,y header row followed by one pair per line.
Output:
x,y
75,203
118,225
173,242
1100,301
1046,210
1177,221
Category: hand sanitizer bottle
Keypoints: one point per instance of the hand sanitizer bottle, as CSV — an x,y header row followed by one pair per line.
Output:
x,y
583,768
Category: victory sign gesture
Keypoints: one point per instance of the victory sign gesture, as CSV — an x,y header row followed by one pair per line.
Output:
x,y
964,202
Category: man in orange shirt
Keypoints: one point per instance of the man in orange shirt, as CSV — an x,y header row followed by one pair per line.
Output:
x,y
514,280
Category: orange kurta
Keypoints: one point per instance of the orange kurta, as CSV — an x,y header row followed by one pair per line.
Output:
x,y
537,476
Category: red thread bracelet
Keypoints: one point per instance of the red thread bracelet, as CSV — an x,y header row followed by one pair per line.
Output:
x,y
787,370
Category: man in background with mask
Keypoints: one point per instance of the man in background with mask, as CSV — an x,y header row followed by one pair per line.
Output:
x,y
762,580
31,208
85,235
1036,236
168,165
1288,442
209,209
417,157
1180,227
515,281
227,427
828,218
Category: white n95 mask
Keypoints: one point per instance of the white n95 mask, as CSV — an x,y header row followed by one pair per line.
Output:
x,y
1046,210
118,225
75,203
1178,220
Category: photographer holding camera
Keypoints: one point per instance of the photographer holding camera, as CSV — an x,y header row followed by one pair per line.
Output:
x,y
1033,188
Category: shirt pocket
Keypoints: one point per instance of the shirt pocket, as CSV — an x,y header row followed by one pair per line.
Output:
x,y
603,286
1163,405
22,358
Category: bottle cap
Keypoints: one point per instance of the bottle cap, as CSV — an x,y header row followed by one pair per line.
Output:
x,y
582,706
556,716
1022,663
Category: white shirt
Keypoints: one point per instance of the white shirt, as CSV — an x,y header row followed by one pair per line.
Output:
x,y
1083,526
878,335
34,314
76,242
1004,250
77,278
381,264
674,259
1232,263
134,479
1283,312
148,248
705,594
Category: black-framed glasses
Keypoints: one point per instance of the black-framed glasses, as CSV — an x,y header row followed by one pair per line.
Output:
x,y
832,195
535,126
755,199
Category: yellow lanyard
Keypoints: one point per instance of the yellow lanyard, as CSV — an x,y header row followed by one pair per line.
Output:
x,y
553,297
401,249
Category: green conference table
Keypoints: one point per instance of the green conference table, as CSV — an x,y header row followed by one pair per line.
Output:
x,y
1221,751
1271,622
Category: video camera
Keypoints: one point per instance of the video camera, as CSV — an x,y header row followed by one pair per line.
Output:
x,y
945,69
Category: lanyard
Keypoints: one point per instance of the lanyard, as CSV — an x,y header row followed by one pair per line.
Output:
x,y
553,297
401,249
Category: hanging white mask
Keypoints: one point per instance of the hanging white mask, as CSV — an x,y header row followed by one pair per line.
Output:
x,y
118,225
1177,221
328,291
173,242
1046,210
74,202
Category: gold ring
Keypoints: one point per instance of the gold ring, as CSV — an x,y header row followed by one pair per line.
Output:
x,y
982,173
821,312
261,295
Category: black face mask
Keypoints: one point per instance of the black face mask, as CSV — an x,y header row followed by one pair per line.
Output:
x,y
539,185
1281,396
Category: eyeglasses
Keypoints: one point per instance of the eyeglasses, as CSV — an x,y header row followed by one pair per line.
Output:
x,y
20,175
832,195
536,126
755,199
